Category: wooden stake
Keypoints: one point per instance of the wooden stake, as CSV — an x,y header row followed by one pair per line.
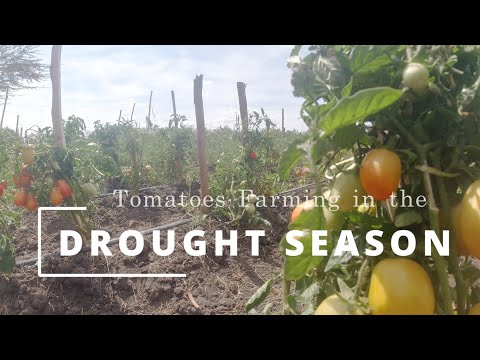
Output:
x,y
16,128
202,158
174,109
58,132
149,110
120,116
133,109
242,100
4,106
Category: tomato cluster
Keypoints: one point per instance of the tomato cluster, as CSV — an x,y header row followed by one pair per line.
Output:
x,y
61,191
23,181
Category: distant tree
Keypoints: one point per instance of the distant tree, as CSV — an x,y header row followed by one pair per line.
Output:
x,y
20,68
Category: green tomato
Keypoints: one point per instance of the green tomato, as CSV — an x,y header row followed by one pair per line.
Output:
x,y
89,189
415,76
252,198
250,208
346,188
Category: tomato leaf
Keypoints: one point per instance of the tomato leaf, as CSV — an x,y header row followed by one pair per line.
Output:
x,y
290,157
296,267
260,295
334,261
7,255
309,294
292,303
355,108
347,136
346,91
345,291
296,50
408,218
367,59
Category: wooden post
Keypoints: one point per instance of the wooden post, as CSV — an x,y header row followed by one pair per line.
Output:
x,y
120,116
4,106
133,109
202,158
16,128
283,122
174,109
242,99
58,132
149,110
21,132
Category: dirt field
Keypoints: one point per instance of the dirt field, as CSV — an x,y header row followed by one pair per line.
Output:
x,y
214,285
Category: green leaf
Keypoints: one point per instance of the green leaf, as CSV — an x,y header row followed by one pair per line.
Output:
x,y
296,267
310,293
7,255
292,303
345,291
367,59
290,158
347,89
260,295
335,261
346,137
408,218
355,108
296,50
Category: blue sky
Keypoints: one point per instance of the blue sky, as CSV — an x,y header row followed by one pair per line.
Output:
x,y
98,81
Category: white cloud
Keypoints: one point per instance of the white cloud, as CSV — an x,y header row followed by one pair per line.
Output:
x,y
98,81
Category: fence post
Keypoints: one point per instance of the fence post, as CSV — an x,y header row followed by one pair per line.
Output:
x,y
242,100
16,128
200,117
149,123
4,106
58,132
174,109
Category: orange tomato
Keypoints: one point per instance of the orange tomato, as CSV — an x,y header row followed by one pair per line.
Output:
x,y
56,197
380,173
31,204
307,205
64,188
20,198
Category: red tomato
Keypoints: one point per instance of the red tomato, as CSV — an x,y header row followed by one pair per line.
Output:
x,y
253,155
64,188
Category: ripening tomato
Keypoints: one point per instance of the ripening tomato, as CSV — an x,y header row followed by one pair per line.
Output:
x,y
335,305
307,205
475,310
253,155
380,173
346,190
455,214
4,184
470,219
56,197
31,204
20,198
1,191
400,287
28,154
148,168
64,188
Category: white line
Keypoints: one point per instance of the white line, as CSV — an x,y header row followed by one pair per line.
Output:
x,y
115,275
39,263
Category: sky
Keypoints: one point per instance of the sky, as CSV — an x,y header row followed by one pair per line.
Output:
x,y
99,81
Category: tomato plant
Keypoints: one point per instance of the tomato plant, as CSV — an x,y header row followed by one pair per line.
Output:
x,y
403,121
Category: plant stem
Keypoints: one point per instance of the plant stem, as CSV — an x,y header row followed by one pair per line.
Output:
x,y
286,292
453,258
362,274
438,260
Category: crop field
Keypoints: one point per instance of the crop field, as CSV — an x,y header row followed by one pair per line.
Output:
x,y
374,209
